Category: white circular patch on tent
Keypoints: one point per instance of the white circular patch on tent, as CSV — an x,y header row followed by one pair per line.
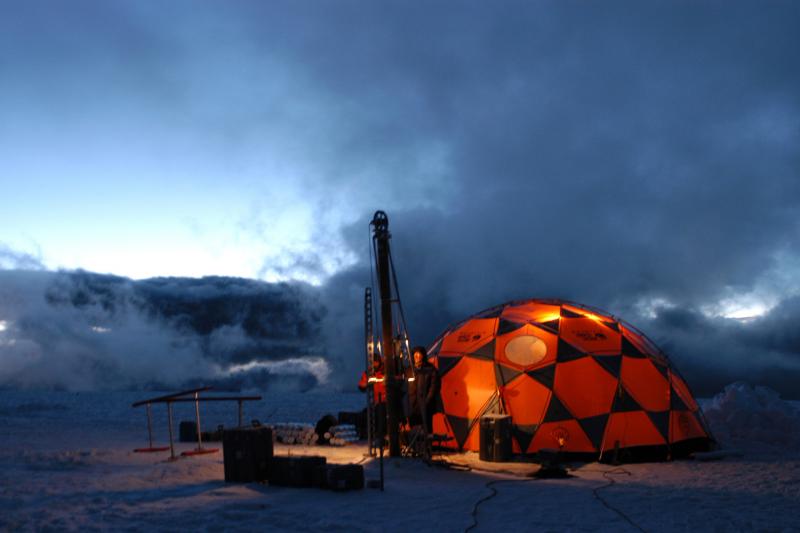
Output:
x,y
526,350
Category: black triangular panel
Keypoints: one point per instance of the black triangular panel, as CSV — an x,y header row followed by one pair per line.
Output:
x,y
460,427
545,375
630,350
612,325
566,313
556,411
504,374
611,363
663,369
484,352
594,427
703,424
567,352
446,364
493,312
675,402
551,326
506,326
660,420
524,435
624,402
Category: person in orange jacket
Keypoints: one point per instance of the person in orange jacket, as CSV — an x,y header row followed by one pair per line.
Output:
x,y
377,381
378,384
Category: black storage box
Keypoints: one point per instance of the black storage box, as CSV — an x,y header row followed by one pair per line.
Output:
x,y
495,437
295,470
340,477
356,418
213,436
187,431
247,453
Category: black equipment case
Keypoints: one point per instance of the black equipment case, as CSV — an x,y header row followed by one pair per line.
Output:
x,y
247,453
495,438
295,470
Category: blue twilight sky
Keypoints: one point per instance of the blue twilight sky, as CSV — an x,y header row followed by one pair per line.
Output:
x,y
187,139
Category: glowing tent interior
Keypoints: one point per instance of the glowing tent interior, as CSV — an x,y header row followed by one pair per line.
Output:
x,y
571,377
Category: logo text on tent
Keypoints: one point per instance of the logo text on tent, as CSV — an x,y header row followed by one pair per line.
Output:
x,y
591,335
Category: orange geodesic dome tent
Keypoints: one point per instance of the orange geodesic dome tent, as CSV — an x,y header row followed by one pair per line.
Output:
x,y
571,377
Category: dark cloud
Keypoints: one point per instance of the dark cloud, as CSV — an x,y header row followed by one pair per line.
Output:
x,y
618,154
80,330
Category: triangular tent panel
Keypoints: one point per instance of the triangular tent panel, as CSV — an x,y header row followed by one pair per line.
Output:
x,y
584,387
594,427
470,336
544,375
556,410
526,401
523,434
661,421
504,375
595,335
630,349
624,402
568,352
566,313
552,326
631,429
445,364
460,427
506,326
645,383
484,352
565,435
610,363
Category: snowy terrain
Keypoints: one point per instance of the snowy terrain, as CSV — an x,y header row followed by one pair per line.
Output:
x,y
66,463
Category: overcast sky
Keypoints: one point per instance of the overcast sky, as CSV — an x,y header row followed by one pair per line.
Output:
x,y
638,156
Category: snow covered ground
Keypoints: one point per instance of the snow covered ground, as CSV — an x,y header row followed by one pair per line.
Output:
x,y
66,463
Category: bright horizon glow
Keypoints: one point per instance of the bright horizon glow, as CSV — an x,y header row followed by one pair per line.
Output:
x,y
743,307
742,313
314,365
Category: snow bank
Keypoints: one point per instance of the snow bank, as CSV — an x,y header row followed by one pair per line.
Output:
x,y
748,416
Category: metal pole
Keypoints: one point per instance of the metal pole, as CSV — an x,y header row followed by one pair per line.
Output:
x,y
197,418
369,370
241,413
380,223
149,426
381,462
169,422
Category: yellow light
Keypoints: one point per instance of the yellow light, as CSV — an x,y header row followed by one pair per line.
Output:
x,y
550,317
594,317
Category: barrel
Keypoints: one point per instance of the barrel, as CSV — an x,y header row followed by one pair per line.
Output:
x,y
495,438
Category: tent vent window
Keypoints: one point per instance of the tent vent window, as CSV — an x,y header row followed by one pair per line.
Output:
x,y
526,350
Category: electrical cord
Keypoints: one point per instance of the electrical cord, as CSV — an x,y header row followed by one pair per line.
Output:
x,y
490,485
611,481
528,477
